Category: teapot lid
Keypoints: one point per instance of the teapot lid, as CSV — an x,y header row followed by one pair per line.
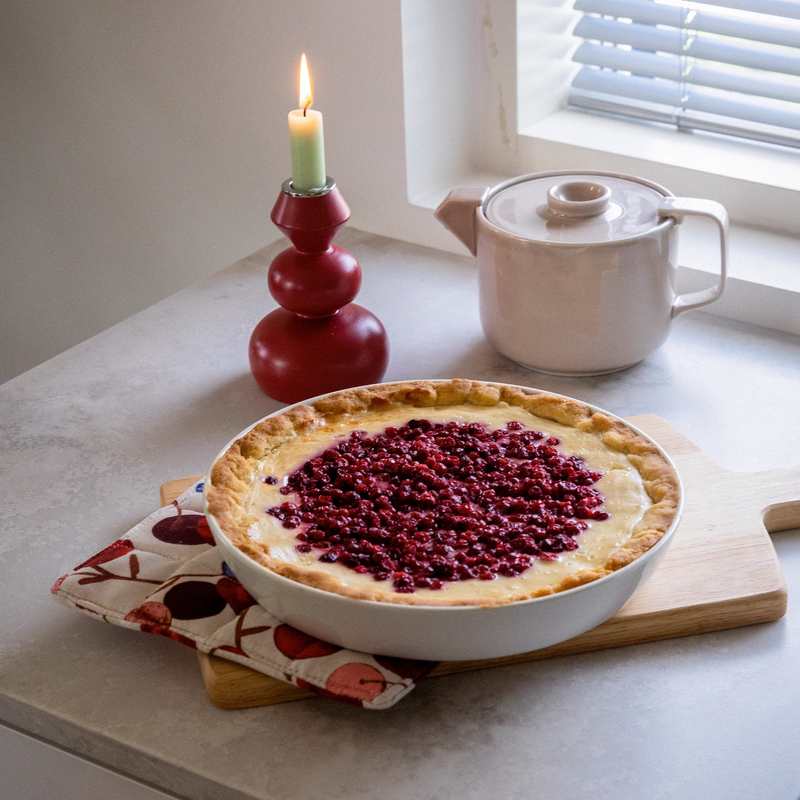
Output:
x,y
575,207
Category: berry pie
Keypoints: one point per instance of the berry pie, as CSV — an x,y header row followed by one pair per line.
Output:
x,y
443,493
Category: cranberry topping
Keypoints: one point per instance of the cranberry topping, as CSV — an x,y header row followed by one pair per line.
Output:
x,y
430,502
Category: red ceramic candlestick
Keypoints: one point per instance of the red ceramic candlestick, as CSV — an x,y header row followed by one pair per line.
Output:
x,y
319,341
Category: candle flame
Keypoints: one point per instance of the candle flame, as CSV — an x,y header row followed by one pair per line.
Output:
x,y
306,92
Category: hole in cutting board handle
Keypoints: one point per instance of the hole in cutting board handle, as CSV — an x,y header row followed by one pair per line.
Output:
x,y
782,516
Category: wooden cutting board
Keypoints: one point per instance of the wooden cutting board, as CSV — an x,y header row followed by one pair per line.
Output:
x,y
720,572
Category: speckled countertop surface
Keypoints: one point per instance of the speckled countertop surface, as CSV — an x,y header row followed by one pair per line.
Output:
x,y
89,436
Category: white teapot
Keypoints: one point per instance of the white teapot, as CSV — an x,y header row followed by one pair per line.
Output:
x,y
578,270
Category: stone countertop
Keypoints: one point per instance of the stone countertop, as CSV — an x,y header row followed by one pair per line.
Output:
x,y
89,436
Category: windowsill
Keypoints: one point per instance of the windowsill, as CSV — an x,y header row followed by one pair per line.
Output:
x,y
763,285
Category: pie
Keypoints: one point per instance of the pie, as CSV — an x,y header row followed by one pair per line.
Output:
x,y
448,493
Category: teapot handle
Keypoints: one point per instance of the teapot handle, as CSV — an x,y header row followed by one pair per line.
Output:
x,y
680,207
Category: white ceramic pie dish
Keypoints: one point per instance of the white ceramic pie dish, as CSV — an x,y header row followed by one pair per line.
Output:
x,y
442,633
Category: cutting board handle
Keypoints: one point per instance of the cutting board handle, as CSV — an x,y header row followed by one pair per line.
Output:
x,y
784,514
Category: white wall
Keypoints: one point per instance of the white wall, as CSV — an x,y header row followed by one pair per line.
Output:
x,y
144,142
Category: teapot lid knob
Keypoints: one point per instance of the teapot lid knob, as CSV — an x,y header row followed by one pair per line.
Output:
x,y
578,198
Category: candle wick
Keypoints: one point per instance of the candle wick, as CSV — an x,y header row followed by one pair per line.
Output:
x,y
305,108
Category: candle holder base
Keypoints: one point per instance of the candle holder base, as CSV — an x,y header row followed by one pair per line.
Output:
x,y
318,341
293,357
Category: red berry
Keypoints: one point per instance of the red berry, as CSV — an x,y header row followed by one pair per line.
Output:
x,y
426,503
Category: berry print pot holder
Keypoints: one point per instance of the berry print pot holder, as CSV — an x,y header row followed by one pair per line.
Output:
x,y
165,576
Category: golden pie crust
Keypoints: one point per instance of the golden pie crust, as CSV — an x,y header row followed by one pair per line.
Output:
x,y
235,473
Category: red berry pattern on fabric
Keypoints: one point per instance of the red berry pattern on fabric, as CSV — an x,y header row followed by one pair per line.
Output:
x,y
116,550
359,681
194,600
189,529
295,644
234,594
156,618
150,614
427,503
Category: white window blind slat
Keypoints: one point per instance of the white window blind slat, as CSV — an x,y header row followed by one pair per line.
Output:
x,y
691,120
777,8
785,33
649,37
716,65
670,93
675,68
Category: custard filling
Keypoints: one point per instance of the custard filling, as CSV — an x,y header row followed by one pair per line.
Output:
x,y
625,501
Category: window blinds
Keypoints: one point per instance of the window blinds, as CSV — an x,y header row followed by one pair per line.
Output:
x,y
727,66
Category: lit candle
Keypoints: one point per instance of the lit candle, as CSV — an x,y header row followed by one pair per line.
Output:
x,y
305,138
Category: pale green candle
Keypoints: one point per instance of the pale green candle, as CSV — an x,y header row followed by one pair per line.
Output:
x,y
308,150
305,139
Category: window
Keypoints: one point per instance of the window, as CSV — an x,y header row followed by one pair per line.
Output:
x,y
485,87
757,182
727,66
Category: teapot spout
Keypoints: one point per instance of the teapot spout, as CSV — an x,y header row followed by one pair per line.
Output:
x,y
457,213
